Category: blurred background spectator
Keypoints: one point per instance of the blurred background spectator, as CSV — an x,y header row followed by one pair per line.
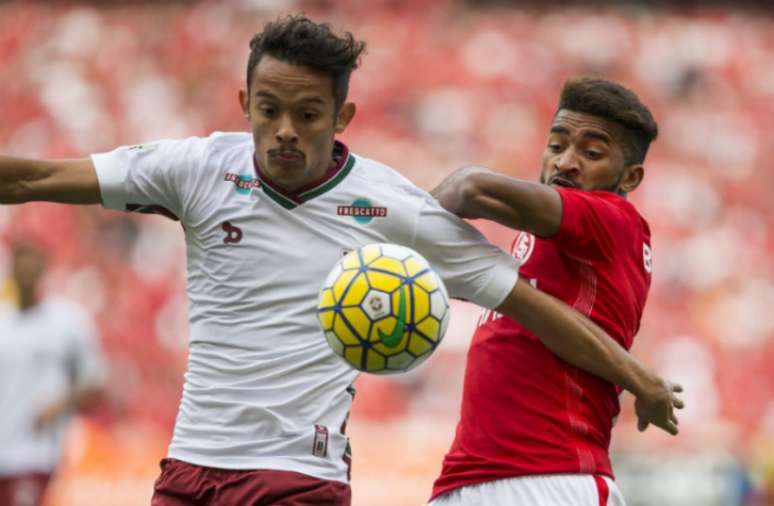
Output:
x,y
444,84
51,367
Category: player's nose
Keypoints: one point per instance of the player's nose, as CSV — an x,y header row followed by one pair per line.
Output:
x,y
567,162
286,132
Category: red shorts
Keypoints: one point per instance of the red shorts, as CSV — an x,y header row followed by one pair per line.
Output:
x,y
184,484
23,489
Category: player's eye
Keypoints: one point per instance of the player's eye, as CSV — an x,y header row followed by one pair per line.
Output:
x,y
310,115
592,154
268,110
555,147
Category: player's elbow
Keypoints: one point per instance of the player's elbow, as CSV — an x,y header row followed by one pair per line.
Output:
x,y
474,197
464,193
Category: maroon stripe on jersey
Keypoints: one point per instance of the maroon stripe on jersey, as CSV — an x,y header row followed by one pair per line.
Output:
x,y
151,209
602,491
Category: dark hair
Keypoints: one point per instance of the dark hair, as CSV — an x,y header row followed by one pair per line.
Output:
x,y
612,101
29,249
300,41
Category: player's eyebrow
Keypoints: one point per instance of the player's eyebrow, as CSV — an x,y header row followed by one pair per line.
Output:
x,y
271,96
266,94
587,133
598,135
313,100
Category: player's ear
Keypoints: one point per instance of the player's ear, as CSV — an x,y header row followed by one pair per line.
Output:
x,y
633,175
244,102
345,115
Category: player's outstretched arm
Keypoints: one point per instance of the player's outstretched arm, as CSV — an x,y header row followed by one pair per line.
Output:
x,y
476,192
65,181
579,341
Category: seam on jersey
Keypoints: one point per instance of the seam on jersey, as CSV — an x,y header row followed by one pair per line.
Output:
x,y
584,303
416,225
587,293
184,201
573,397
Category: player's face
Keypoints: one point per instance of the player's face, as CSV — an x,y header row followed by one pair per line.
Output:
x,y
293,116
586,152
28,268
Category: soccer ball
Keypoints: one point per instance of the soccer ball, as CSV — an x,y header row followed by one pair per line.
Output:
x,y
383,309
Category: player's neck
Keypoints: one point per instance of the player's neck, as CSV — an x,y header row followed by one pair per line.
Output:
x,y
315,176
28,301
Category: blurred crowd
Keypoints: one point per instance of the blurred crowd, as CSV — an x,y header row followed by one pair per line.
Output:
x,y
443,85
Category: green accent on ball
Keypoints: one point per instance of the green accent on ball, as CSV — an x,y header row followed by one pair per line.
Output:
x,y
392,340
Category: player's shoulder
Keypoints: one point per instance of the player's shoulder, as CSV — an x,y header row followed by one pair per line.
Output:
x,y
601,200
621,206
214,144
226,142
217,153
375,174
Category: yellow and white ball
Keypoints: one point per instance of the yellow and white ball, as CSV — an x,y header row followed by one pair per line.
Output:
x,y
383,308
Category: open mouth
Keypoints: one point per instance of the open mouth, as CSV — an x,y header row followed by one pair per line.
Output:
x,y
564,183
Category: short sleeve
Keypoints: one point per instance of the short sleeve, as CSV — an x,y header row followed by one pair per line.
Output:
x,y
157,175
594,224
471,267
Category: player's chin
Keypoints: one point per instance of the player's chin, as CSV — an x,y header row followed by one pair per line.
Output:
x,y
287,168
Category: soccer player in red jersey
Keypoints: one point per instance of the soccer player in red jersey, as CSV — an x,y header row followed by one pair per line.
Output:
x,y
533,429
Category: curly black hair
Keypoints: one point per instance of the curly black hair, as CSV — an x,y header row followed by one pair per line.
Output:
x,y
300,41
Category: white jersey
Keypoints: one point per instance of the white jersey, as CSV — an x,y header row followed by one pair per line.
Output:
x,y
45,351
263,389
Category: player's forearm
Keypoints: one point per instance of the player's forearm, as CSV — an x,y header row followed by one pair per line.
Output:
x,y
476,192
65,181
17,178
577,340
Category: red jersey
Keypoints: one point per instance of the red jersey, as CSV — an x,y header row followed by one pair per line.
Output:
x,y
524,410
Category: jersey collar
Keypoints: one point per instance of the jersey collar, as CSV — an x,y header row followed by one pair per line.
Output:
x,y
292,199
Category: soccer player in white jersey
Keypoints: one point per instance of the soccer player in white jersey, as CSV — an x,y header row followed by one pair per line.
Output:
x,y
50,367
266,215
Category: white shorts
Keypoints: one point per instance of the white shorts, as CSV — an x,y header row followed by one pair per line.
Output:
x,y
537,490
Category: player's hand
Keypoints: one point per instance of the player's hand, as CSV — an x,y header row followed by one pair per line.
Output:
x,y
658,405
49,415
